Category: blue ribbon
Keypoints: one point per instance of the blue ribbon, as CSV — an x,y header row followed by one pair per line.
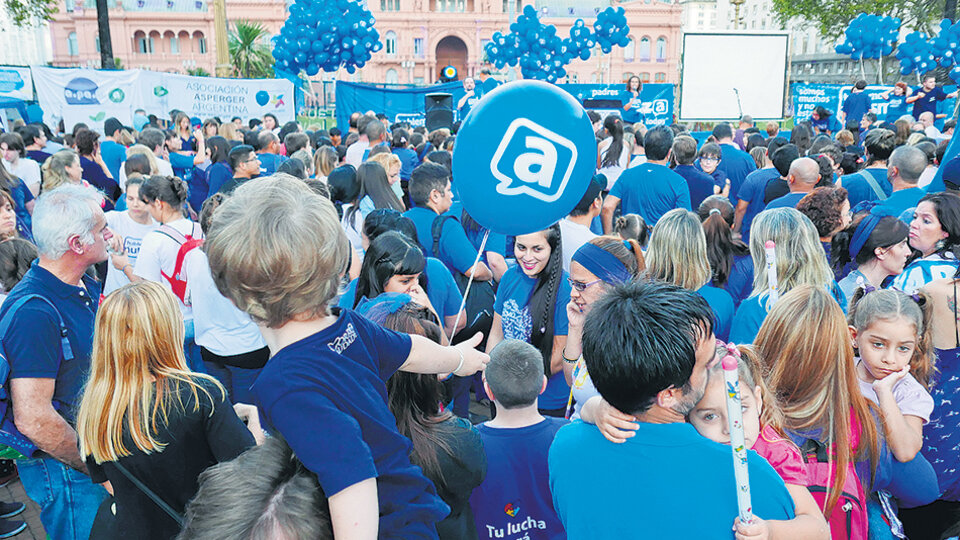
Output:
x,y
865,229
603,264
377,309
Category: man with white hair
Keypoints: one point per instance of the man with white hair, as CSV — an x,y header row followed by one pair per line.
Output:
x,y
927,119
802,178
46,330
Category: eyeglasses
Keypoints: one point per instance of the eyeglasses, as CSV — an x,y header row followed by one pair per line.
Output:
x,y
710,159
579,286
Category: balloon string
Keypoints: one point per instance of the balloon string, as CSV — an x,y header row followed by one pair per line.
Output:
x,y
466,292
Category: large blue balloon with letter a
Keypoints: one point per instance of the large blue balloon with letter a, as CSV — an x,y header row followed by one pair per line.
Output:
x,y
523,157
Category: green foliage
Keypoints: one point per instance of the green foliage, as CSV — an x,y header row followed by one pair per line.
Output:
x,y
831,17
25,13
198,72
250,51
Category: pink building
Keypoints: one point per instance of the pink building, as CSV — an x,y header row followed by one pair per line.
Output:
x,y
420,37
162,35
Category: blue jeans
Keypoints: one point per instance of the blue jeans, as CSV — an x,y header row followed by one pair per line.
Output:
x,y
190,348
236,380
68,499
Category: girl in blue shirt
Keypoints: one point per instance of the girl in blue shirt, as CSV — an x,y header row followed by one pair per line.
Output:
x,y
729,258
531,306
631,101
678,254
896,101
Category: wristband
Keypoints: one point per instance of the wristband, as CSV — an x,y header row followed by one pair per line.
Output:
x,y
563,354
124,269
460,365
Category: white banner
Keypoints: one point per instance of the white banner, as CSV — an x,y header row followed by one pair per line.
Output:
x,y
88,96
16,82
206,97
91,96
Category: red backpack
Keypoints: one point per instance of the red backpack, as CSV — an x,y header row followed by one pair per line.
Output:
x,y
848,520
178,282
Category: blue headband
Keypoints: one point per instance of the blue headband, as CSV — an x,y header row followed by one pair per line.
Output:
x,y
377,309
865,229
602,263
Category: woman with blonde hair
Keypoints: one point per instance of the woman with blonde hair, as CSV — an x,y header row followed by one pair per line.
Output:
x,y
145,416
677,254
324,160
229,132
63,167
810,369
391,164
139,149
800,261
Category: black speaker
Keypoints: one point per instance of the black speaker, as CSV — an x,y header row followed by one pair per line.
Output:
x,y
439,110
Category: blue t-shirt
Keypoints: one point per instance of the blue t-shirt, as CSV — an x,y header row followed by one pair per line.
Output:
x,y
21,196
740,282
270,162
855,106
736,164
327,395
513,306
408,161
901,201
928,103
752,190
753,311
32,342
653,482
470,102
897,106
218,174
651,190
722,305
700,183
113,154
789,200
40,156
182,165
456,251
516,490
441,290
93,173
633,114
859,190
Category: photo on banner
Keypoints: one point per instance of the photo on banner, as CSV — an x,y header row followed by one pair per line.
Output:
x,y
87,96
16,82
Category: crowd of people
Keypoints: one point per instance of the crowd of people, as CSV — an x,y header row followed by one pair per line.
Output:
x,y
247,330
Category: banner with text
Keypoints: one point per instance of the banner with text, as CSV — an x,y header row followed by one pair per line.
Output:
x,y
206,97
807,97
16,82
88,96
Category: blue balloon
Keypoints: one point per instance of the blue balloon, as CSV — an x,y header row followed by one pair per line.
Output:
x,y
524,157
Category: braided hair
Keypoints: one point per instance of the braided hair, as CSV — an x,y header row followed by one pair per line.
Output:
x,y
543,301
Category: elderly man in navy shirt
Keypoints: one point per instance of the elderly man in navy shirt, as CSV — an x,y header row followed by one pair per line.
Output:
x,y
45,387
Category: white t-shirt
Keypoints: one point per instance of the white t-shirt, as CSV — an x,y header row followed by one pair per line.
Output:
x,y
158,252
163,167
132,233
355,152
27,170
219,326
612,172
572,236
927,176
353,229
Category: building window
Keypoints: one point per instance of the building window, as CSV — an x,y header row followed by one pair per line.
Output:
x,y
661,49
390,43
175,45
96,42
574,79
389,5
418,47
507,4
70,6
645,49
72,48
144,43
202,44
644,77
630,51
660,77
392,77
418,80
452,6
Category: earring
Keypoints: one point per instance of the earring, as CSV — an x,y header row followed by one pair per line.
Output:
x,y
940,244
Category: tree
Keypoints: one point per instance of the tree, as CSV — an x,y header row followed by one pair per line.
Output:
x,y
26,13
198,72
831,17
249,54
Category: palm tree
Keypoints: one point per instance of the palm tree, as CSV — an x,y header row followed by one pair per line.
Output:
x,y
249,52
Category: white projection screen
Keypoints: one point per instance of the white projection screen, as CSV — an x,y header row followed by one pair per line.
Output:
x,y
715,67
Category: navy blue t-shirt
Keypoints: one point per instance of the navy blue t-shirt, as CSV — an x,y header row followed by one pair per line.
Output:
x,y
790,200
651,190
471,101
270,162
928,103
327,395
32,342
516,490
441,290
858,189
408,161
456,251
855,106
737,164
752,190
721,302
93,173
217,175
700,183
740,282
